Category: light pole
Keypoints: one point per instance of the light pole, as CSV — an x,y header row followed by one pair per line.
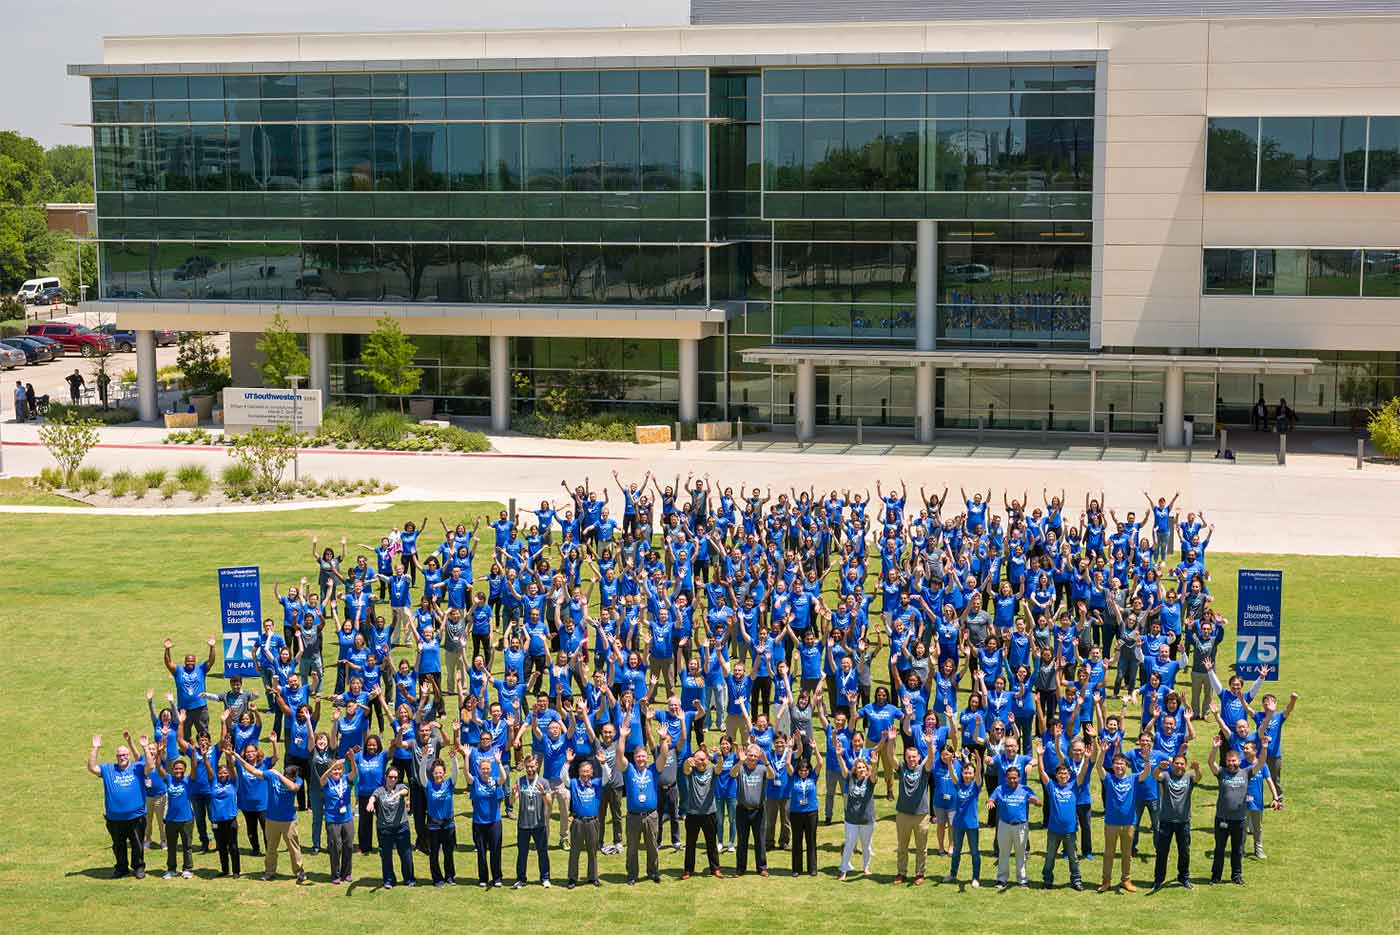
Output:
x,y
294,379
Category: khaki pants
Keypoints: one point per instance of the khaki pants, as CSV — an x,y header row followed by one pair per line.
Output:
x,y
1200,685
887,764
904,826
155,818
451,662
402,621
1117,840
559,795
643,830
277,832
734,727
583,839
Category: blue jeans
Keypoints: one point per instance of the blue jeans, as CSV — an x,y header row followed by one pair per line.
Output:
x,y
716,699
391,841
970,836
724,808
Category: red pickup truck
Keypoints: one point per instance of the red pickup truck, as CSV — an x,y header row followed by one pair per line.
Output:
x,y
74,337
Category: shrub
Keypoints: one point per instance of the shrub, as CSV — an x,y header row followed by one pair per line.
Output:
x,y
120,483
382,430
237,476
89,475
191,476
138,486
266,453
607,426
199,486
69,439
11,308
190,437
169,488
49,477
117,415
1384,428
155,477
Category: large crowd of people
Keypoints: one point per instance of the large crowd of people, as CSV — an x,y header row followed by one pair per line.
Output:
x,y
645,665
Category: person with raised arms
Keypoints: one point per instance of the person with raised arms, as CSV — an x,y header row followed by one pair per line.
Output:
x,y
123,805
389,804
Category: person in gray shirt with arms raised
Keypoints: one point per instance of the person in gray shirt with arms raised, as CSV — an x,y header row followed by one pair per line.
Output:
x,y
389,804
1231,808
1174,818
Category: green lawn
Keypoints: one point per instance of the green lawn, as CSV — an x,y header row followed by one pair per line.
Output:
x,y
129,583
20,491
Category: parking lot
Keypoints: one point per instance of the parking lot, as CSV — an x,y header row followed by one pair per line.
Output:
x,y
50,378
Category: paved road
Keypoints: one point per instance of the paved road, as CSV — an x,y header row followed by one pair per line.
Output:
x,y
1318,504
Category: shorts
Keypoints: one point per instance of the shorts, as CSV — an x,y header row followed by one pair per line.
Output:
x,y
942,816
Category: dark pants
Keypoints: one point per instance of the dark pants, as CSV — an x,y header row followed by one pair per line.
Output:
x,y
177,835
254,821
366,827
525,838
1229,832
418,804
1086,839
481,646
804,842
487,841
695,827
442,842
226,839
126,837
750,822
1180,832
391,841
1151,806
668,802
200,802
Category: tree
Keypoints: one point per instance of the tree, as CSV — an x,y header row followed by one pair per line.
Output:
x,y
387,361
266,452
69,439
71,168
64,265
198,359
1384,427
282,355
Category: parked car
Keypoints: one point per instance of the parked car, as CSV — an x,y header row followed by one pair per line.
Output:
x,y
12,357
74,337
53,295
32,287
33,351
54,348
124,339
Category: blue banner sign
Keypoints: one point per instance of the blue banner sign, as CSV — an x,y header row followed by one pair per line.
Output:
x,y
1259,619
240,607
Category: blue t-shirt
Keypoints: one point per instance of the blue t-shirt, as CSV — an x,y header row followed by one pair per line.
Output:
x,y
802,794
281,801
584,797
124,791
965,815
1063,817
440,805
223,801
1012,804
336,795
487,796
641,789
190,687
1118,798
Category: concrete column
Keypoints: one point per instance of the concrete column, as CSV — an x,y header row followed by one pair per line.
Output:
x,y
690,380
318,348
1173,405
923,403
149,408
926,286
500,383
245,361
806,403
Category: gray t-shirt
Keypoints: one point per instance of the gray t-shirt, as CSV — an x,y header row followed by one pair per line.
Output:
x,y
1231,798
1175,797
534,807
700,793
453,633
753,785
309,629
860,801
607,766
978,625
913,791
801,721
391,808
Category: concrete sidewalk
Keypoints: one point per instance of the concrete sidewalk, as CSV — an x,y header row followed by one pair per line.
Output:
x,y
1317,504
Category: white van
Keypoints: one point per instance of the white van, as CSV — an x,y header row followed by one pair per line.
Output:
x,y
32,287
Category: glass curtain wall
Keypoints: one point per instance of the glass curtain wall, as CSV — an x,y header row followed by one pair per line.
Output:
x,y
574,187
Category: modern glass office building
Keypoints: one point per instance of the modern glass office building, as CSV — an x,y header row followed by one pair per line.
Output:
x,y
924,219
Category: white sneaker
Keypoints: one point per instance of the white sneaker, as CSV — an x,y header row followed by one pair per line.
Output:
x,y
187,874
545,884
975,884
168,875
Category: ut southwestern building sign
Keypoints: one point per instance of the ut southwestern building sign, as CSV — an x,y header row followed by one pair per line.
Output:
x,y
248,407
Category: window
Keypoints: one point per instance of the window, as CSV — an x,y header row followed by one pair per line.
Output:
x,y
1232,154
1382,273
1229,272
1281,272
1334,272
1383,158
